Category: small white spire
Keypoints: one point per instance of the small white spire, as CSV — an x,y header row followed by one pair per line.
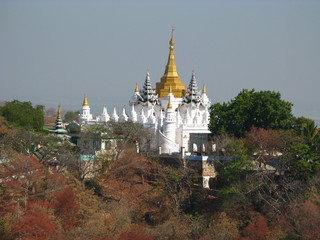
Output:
x,y
105,116
197,116
151,117
143,118
161,118
114,114
124,116
188,116
178,117
134,117
206,116
104,111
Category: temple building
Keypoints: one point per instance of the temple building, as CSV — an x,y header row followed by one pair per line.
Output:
x,y
171,111
59,128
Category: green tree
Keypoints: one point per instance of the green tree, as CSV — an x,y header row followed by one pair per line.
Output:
x,y
23,114
264,109
307,128
71,116
305,162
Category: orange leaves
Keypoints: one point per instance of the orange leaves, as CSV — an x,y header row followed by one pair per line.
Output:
x,y
257,230
305,219
35,224
265,141
136,232
66,207
21,174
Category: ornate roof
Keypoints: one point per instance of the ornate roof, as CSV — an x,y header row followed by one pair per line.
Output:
x,y
170,76
59,129
148,94
192,94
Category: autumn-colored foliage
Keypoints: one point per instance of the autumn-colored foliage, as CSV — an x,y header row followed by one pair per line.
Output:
x,y
21,173
135,234
223,227
66,207
264,142
34,226
304,219
257,230
143,198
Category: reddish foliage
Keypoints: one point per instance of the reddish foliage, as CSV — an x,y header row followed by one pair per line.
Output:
x,y
56,180
66,207
257,230
135,234
38,205
20,176
263,140
21,173
304,219
34,225
103,239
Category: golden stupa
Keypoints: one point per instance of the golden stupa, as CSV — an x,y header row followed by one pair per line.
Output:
x,y
85,101
170,77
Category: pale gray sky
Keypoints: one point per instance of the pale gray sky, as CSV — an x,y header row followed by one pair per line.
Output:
x,y
54,51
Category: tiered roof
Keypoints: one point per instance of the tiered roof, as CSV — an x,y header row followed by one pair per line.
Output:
x,y
192,94
170,77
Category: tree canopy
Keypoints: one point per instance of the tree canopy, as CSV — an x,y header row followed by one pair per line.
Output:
x,y
23,114
71,116
263,109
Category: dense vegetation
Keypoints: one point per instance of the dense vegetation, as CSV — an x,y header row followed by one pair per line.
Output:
x,y
272,190
23,114
264,109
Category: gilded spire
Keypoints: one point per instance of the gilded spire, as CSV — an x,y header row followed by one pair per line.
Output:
x,y
59,111
172,39
169,104
171,68
204,89
170,75
85,101
170,89
137,88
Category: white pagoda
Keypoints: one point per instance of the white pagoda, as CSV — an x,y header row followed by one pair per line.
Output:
x,y
170,110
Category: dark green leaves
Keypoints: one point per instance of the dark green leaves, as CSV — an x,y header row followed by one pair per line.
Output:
x,y
264,109
23,114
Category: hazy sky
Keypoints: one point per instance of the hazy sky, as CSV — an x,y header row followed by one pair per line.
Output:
x,y
54,51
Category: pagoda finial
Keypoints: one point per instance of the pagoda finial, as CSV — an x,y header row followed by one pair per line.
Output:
x,y
85,101
170,75
169,104
204,89
172,39
170,89
171,69
59,111
137,88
